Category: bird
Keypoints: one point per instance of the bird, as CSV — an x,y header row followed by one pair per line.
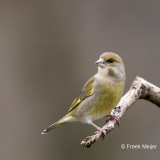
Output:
x,y
100,94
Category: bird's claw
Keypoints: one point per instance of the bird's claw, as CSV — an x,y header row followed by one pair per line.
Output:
x,y
103,131
113,117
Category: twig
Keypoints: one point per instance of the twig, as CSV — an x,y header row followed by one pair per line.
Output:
x,y
140,89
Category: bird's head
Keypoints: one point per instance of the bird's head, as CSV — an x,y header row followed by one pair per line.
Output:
x,y
111,64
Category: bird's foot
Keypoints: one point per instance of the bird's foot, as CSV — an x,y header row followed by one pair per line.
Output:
x,y
99,129
103,132
113,117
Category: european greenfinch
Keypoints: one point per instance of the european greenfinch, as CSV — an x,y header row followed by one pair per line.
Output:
x,y
99,95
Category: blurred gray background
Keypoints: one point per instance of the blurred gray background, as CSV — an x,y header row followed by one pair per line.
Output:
x,y
47,53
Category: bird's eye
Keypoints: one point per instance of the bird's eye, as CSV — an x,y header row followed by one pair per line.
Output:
x,y
110,60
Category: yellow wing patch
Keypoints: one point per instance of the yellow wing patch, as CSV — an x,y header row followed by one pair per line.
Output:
x,y
86,92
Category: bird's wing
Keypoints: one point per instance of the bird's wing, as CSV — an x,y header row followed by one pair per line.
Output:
x,y
86,92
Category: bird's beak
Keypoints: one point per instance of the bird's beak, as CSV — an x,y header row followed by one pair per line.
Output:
x,y
100,61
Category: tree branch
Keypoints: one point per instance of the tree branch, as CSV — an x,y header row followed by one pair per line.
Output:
x,y
140,89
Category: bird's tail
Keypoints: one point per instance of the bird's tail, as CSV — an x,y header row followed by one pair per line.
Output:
x,y
61,121
54,125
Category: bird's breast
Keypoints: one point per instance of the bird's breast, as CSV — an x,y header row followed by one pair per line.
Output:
x,y
105,98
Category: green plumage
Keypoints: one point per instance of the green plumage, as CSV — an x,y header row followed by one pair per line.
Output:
x,y
99,95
